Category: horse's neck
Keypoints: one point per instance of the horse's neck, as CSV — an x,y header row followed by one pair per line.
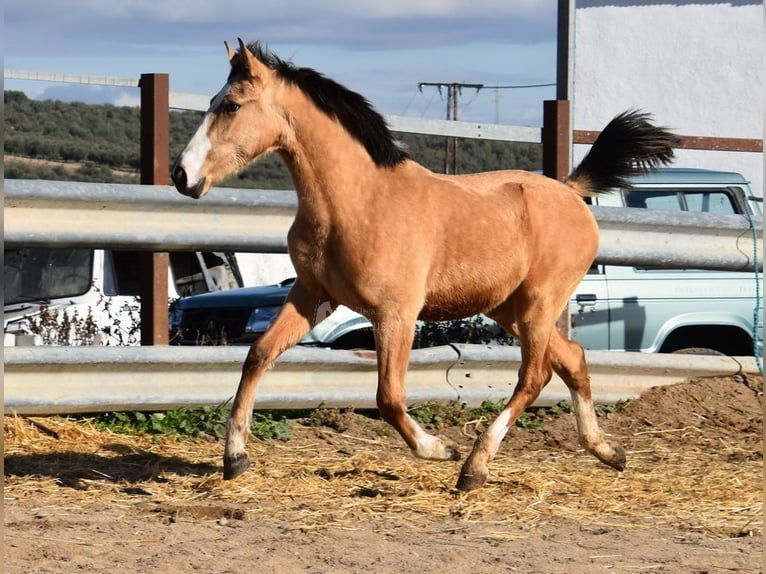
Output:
x,y
327,165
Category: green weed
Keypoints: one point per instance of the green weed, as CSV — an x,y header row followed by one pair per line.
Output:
x,y
193,423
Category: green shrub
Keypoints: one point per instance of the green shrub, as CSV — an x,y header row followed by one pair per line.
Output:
x,y
193,423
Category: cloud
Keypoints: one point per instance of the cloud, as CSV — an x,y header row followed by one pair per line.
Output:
x,y
381,49
87,94
185,24
268,10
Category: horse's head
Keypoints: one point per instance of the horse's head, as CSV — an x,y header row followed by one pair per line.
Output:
x,y
241,124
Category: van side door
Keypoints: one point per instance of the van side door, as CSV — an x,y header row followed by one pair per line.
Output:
x,y
589,310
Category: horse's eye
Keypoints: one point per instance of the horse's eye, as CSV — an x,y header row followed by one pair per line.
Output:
x,y
230,107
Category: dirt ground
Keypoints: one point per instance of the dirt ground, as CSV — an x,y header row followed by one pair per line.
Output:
x,y
346,496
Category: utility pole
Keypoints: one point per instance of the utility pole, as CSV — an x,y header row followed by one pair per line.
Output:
x,y
454,89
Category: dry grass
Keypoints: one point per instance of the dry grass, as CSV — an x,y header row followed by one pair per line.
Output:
x,y
322,479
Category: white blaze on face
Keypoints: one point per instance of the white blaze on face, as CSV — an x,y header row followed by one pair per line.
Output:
x,y
193,157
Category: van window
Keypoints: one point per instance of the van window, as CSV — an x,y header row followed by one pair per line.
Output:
x,y
45,274
709,202
187,273
127,270
185,267
700,201
665,200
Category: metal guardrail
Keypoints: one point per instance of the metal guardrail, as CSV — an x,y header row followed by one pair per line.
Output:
x,y
65,380
156,218
46,214
679,240
50,380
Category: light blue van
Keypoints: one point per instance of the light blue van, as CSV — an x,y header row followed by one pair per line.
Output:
x,y
631,309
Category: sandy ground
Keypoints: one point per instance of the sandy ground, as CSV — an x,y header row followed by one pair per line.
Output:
x,y
348,497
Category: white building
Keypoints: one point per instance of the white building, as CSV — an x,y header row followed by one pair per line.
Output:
x,y
696,66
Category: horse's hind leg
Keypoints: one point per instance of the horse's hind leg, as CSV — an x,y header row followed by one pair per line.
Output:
x,y
295,319
393,341
568,361
534,328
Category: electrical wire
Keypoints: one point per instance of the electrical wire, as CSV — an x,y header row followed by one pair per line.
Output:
x,y
519,86
428,105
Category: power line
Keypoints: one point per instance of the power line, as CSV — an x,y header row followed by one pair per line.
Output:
x,y
513,87
520,86
469,102
454,89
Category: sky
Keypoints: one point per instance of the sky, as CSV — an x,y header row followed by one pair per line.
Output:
x,y
381,49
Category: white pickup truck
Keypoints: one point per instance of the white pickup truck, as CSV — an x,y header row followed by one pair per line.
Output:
x,y
90,296
660,310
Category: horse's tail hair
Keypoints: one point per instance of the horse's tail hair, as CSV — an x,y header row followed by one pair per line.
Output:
x,y
629,145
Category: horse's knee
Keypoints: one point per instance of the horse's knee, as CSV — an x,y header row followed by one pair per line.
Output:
x,y
568,360
258,358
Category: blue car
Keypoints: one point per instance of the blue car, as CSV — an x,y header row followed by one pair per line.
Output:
x,y
240,316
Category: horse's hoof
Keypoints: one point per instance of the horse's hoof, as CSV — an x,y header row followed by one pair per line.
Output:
x,y
235,465
617,461
452,450
472,476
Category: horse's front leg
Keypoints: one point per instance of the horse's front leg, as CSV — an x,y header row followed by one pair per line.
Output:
x,y
393,340
295,319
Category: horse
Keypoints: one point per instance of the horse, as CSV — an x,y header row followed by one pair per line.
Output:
x,y
381,234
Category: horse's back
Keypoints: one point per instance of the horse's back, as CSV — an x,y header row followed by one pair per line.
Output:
x,y
537,206
492,231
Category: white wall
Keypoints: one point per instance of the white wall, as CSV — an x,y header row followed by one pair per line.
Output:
x,y
696,66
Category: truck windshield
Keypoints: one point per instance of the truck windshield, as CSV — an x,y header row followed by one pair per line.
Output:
x,y
45,274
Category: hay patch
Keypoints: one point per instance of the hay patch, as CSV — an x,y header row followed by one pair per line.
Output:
x,y
695,463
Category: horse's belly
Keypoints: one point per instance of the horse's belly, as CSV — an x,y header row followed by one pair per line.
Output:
x,y
455,303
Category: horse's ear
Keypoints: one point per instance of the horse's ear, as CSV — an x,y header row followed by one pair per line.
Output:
x,y
230,51
254,67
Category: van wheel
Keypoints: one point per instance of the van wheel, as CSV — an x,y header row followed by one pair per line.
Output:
x,y
709,340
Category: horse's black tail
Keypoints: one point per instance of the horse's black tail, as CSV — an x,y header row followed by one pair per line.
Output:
x,y
629,145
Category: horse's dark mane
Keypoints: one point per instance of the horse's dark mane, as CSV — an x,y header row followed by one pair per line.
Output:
x,y
352,110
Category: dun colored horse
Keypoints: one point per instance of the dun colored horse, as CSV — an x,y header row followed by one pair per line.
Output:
x,y
381,234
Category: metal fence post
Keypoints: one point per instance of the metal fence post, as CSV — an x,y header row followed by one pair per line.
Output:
x,y
155,169
556,145
556,139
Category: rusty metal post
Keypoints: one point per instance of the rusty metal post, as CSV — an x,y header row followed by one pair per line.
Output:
x,y
556,139
556,148
155,170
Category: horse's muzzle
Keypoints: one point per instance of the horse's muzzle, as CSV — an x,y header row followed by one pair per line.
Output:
x,y
178,175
